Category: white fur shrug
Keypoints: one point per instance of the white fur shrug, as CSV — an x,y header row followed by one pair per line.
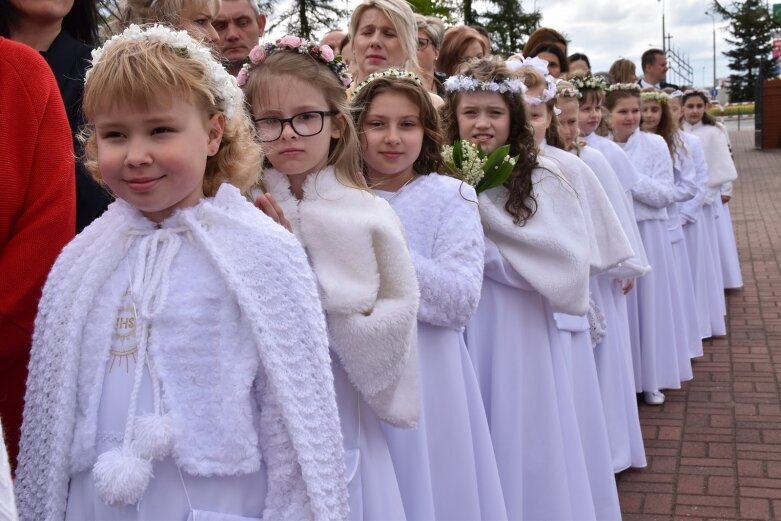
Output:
x,y
656,189
445,236
715,144
265,271
549,250
368,287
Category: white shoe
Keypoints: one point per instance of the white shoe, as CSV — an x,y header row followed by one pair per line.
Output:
x,y
653,397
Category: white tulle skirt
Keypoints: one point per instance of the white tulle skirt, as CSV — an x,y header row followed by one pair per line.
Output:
x,y
446,466
520,366
706,276
659,356
582,371
728,249
371,479
613,357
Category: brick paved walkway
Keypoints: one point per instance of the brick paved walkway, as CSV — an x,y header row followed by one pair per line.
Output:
x,y
714,447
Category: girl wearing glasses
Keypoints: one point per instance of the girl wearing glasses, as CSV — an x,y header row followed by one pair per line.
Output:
x,y
356,246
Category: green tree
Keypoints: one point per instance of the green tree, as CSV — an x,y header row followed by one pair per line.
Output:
x,y
751,25
509,25
445,9
307,18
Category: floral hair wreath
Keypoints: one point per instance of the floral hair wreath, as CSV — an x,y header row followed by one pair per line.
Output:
x,y
463,83
322,53
393,72
518,62
657,96
628,87
568,92
696,92
227,89
589,82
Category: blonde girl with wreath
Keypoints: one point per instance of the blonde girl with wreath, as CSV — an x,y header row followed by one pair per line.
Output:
x,y
191,379
356,246
661,353
446,466
535,263
721,174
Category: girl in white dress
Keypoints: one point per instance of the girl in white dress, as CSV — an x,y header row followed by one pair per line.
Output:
x,y
191,378
613,353
535,264
608,247
721,175
699,229
357,249
657,119
446,465
660,354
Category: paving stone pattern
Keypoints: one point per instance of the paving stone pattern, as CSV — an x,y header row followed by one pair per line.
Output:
x,y
714,447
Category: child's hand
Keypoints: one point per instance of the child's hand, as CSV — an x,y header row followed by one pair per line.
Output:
x,y
267,204
725,198
629,285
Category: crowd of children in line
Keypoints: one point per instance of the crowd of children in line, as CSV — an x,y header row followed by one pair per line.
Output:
x,y
297,309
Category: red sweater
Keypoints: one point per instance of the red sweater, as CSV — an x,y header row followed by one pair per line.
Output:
x,y
37,210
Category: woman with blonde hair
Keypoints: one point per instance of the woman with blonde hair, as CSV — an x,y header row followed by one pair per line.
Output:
x,y
623,71
383,34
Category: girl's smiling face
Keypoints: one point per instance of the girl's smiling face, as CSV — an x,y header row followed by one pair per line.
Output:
x,y
652,115
625,118
155,159
484,119
391,139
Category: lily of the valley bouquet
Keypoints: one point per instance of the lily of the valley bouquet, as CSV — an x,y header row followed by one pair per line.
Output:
x,y
481,170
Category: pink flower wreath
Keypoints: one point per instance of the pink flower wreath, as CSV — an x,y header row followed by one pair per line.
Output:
x,y
322,53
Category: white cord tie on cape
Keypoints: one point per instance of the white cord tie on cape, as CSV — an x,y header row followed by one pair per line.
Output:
x,y
122,474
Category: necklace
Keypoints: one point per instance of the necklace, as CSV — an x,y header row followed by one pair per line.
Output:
x,y
402,187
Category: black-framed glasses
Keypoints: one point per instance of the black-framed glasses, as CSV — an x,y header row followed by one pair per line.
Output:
x,y
423,43
305,124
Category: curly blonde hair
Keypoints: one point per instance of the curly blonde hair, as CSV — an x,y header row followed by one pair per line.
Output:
x,y
141,74
168,12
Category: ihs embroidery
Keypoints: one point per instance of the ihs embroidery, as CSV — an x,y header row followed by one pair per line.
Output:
x,y
123,345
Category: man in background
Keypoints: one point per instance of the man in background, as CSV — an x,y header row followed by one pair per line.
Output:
x,y
240,26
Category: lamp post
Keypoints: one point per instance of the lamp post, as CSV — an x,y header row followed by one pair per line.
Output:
x,y
713,18
664,41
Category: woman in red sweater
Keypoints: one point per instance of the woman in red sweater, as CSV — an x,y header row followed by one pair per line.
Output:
x,y
37,211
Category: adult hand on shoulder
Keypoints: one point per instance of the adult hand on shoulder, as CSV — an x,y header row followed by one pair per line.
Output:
x,y
267,204
629,285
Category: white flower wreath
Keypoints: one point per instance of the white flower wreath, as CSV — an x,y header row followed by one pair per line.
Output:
x,y
227,88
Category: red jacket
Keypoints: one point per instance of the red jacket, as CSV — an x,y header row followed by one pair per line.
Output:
x,y
37,210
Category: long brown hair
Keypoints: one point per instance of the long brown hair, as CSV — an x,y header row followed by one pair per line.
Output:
x,y
707,119
521,204
430,158
667,127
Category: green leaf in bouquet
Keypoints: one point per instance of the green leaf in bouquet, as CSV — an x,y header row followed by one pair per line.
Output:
x,y
458,155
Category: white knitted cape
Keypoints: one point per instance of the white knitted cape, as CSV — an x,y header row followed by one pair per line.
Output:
x,y
267,272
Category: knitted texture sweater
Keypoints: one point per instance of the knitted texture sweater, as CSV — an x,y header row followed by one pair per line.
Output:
x,y
37,210
265,272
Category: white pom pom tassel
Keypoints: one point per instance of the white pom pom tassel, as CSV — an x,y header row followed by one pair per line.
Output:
x,y
153,436
121,477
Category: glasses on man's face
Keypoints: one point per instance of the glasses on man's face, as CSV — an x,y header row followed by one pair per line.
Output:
x,y
423,43
304,124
